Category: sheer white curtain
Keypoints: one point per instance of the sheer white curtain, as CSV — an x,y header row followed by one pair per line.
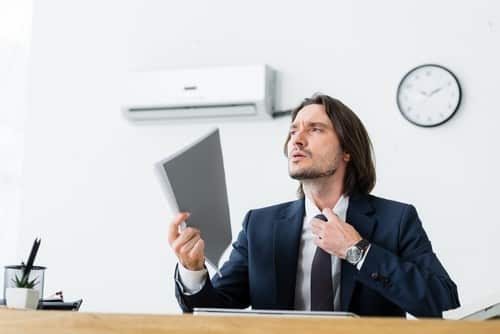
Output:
x,y
15,38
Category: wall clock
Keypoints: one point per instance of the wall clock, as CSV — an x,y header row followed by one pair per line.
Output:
x,y
429,95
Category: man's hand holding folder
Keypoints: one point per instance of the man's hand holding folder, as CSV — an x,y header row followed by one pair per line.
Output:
x,y
187,243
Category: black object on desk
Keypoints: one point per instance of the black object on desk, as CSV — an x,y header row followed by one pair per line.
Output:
x,y
59,305
55,305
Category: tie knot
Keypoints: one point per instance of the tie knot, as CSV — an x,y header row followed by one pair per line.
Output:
x,y
322,217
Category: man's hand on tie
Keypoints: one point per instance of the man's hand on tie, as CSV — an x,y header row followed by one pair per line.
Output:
x,y
334,236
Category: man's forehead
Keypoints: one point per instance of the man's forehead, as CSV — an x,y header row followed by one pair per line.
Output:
x,y
313,114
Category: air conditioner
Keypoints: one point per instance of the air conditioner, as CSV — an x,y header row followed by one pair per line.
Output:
x,y
229,92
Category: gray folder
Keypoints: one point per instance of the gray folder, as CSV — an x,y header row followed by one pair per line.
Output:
x,y
194,181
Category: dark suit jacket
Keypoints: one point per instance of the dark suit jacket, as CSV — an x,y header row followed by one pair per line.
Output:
x,y
400,273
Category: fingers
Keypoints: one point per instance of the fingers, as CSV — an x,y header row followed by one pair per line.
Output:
x,y
173,229
330,215
316,227
198,249
192,255
188,245
317,224
319,242
323,244
323,229
185,236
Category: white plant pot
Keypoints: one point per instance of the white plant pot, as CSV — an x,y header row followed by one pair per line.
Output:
x,y
22,298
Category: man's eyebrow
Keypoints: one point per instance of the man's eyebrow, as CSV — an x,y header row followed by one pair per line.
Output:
x,y
318,124
311,124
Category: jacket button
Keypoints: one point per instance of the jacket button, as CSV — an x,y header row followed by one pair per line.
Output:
x,y
374,275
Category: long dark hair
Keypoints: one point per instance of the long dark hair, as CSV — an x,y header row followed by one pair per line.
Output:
x,y
360,171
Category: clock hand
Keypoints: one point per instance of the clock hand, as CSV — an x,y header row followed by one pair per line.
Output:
x,y
423,93
435,91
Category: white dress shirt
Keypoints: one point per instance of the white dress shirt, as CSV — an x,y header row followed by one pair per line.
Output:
x,y
192,282
306,255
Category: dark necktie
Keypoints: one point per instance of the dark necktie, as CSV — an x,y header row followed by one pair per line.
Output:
x,y
321,279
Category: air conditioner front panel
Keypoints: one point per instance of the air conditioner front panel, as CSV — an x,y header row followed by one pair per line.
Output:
x,y
200,93
193,111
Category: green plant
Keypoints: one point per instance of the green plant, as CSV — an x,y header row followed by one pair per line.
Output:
x,y
24,282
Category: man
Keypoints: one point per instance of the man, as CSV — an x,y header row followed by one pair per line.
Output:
x,y
336,248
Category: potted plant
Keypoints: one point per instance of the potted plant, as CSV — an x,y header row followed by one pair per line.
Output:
x,y
23,294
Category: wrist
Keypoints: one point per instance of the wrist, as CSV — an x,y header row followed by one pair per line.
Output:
x,y
355,253
343,255
193,267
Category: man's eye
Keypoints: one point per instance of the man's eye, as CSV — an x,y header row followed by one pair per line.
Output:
x,y
292,132
316,129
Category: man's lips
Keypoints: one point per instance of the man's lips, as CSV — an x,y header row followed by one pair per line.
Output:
x,y
298,156
297,153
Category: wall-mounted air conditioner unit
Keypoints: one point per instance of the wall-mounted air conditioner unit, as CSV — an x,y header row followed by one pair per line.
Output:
x,y
230,92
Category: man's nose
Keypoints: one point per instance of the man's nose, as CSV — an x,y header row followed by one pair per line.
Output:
x,y
298,139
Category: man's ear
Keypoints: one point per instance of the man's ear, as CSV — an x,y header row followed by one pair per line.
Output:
x,y
347,157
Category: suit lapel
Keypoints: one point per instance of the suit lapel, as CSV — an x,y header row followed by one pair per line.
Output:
x,y
360,216
287,234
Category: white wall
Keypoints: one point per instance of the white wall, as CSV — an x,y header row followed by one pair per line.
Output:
x,y
90,191
15,37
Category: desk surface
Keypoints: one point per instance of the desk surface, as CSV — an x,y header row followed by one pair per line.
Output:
x,y
19,321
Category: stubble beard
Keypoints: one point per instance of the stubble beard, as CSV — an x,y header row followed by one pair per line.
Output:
x,y
315,172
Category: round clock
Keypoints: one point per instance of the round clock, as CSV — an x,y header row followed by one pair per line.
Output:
x,y
429,95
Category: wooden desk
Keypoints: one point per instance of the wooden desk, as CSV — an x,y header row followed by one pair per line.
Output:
x,y
45,322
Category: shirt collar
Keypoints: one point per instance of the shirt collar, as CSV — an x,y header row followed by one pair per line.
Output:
x,y
340,208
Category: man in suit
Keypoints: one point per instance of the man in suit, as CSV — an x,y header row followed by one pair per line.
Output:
x,y
336,248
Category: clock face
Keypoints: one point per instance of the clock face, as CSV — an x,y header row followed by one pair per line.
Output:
x,y
428,95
